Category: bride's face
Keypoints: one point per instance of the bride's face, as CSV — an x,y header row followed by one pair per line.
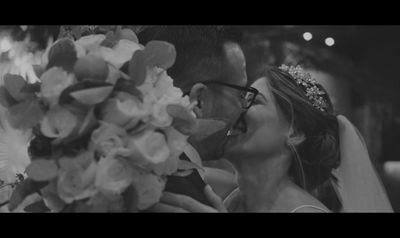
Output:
x,y
263,129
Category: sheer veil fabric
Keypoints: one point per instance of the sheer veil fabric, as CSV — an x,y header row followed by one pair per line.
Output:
x,y
359,186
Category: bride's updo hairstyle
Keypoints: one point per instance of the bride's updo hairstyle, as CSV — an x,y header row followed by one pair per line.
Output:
x,y
319,153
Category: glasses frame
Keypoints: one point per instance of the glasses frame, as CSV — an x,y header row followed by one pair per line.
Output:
x,y
237,87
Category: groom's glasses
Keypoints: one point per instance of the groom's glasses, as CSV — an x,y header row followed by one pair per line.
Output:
x,y
247,95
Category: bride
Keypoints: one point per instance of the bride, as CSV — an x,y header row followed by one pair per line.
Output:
x,y
289,150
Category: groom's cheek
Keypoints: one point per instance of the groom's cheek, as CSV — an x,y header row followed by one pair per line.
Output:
x,y
229,108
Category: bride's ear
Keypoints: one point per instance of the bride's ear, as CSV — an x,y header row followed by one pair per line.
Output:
x,y
295,137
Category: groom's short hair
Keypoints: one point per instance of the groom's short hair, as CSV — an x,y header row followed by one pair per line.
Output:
x,y
199,49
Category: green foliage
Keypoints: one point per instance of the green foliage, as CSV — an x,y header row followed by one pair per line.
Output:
x,y
42,170
137,67
160,53
25,115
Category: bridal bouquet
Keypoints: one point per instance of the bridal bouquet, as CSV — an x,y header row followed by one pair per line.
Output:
x,y
108,124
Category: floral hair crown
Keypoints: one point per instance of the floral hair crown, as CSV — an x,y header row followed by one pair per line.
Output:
x,y
312,91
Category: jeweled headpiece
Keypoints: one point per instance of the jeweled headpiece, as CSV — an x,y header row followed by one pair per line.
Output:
x,y
309,84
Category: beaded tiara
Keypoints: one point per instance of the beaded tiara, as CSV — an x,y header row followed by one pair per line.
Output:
x,y
309,84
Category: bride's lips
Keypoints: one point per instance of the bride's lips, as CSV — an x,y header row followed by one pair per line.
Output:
x,y
239,128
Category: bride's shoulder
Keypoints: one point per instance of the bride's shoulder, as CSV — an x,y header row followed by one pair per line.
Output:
x,y
300,201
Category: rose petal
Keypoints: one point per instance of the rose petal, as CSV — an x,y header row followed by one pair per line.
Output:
x,y
90,42
184,121
58,122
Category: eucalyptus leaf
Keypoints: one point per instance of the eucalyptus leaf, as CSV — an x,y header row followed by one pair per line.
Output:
x,y
89,122
14,83
128,34
110,40
65,96
128,86
31,88
6,99
42,170
188,165
92,67
130,198
25,115
138,67
92,96
38,69
183,173
160,53
22,190
38,207
62,54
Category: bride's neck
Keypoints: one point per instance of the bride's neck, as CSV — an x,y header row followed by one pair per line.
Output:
x,y
261,180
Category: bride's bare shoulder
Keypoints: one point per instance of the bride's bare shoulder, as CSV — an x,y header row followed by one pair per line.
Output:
x,y
295,199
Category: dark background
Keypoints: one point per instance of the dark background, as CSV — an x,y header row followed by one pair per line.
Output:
x,y
363,67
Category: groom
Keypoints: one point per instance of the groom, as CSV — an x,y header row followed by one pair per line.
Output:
x,y
204,54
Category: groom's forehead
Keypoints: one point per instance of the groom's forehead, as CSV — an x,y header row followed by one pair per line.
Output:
x,y
229,68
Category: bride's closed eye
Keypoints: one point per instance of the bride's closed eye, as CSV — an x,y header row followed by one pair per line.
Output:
x,y
260,99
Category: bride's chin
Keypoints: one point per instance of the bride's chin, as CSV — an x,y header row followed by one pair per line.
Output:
x,y
234,146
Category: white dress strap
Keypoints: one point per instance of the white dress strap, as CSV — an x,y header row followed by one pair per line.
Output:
x,y
230,202
306,206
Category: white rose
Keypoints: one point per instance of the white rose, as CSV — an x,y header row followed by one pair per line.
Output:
x,y
113,175
153,74
75,182
119,54
124,109
149,188
54,81
165,86
107,138
176,141
133,107
148,147
146,88
80,51
160,116
89,42
166,94
58,123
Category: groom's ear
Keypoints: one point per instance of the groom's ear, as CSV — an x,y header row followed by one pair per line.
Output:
x,y
197,94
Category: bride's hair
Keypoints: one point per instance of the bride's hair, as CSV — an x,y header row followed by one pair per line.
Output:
x,y
319,154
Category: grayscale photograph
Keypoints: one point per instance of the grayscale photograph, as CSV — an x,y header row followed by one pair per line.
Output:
x,y
199,119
